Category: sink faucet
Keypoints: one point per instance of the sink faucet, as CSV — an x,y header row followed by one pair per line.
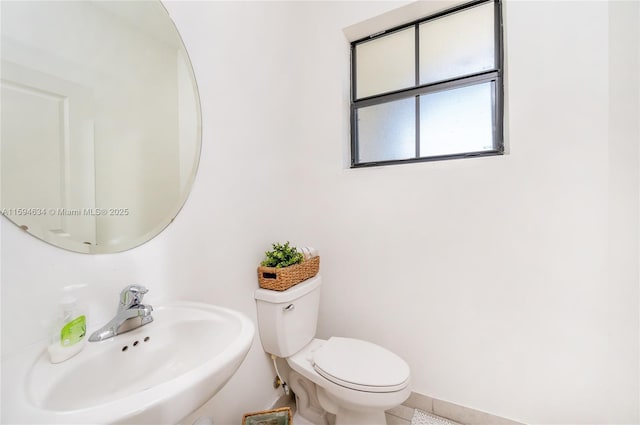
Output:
x,y
131,314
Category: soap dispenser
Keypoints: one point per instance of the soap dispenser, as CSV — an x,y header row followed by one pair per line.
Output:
x,y
68,334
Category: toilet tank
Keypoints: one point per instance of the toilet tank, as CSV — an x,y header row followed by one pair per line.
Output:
x,y
287,319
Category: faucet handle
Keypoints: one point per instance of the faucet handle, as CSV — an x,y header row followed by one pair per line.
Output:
x,y
131,295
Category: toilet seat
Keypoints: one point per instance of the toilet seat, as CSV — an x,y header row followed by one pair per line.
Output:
x,y
360,365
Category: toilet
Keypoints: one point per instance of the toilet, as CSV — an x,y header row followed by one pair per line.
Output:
x,y
355,380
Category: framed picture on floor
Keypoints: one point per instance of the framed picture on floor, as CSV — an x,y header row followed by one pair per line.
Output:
x,y
281,416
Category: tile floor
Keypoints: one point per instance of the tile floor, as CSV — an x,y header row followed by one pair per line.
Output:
x,y
434,412
400,415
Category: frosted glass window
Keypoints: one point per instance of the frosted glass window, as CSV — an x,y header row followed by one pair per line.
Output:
x,y
386,63
458,44
387,131
457,121
430,89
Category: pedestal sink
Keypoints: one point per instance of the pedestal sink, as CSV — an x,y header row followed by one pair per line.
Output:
x,y
156,374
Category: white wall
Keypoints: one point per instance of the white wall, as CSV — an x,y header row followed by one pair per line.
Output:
x,y
510,284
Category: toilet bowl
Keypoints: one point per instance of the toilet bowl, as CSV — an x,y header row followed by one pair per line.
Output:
x,y
354,379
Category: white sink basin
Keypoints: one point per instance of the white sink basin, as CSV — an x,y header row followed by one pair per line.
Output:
x,y
169,368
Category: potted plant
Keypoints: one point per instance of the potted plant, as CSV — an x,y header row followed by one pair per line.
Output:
x,y
282,256
284,266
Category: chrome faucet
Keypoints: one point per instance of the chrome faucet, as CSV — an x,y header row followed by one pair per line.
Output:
x,y
131,314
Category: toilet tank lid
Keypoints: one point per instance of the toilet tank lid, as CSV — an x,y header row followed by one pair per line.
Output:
x,y
290,294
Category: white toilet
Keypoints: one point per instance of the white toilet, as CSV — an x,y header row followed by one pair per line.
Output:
x,y
353,379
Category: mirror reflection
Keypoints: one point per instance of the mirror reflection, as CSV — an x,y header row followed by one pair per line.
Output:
x,y
100,130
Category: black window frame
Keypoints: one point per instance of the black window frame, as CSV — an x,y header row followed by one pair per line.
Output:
x,y
495,75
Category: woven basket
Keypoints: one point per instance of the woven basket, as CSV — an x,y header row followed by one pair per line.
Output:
x,y
280,279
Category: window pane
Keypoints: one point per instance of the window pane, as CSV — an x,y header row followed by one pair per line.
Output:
x,y
386,63
387,131
457,120
457,44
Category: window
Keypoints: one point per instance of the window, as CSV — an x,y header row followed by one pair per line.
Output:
x,y
430,89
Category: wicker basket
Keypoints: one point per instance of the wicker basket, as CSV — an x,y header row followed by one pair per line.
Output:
x,y
280,279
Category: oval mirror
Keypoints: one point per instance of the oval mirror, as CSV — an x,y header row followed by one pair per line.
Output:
x,y
100,131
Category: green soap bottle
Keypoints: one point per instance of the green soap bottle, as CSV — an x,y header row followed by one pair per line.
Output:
x,y
68,335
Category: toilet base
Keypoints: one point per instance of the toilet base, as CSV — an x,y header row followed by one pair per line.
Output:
x,y
345,415
318,407
307,403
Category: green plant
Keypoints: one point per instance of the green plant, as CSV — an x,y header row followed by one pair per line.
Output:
x,y
282,256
